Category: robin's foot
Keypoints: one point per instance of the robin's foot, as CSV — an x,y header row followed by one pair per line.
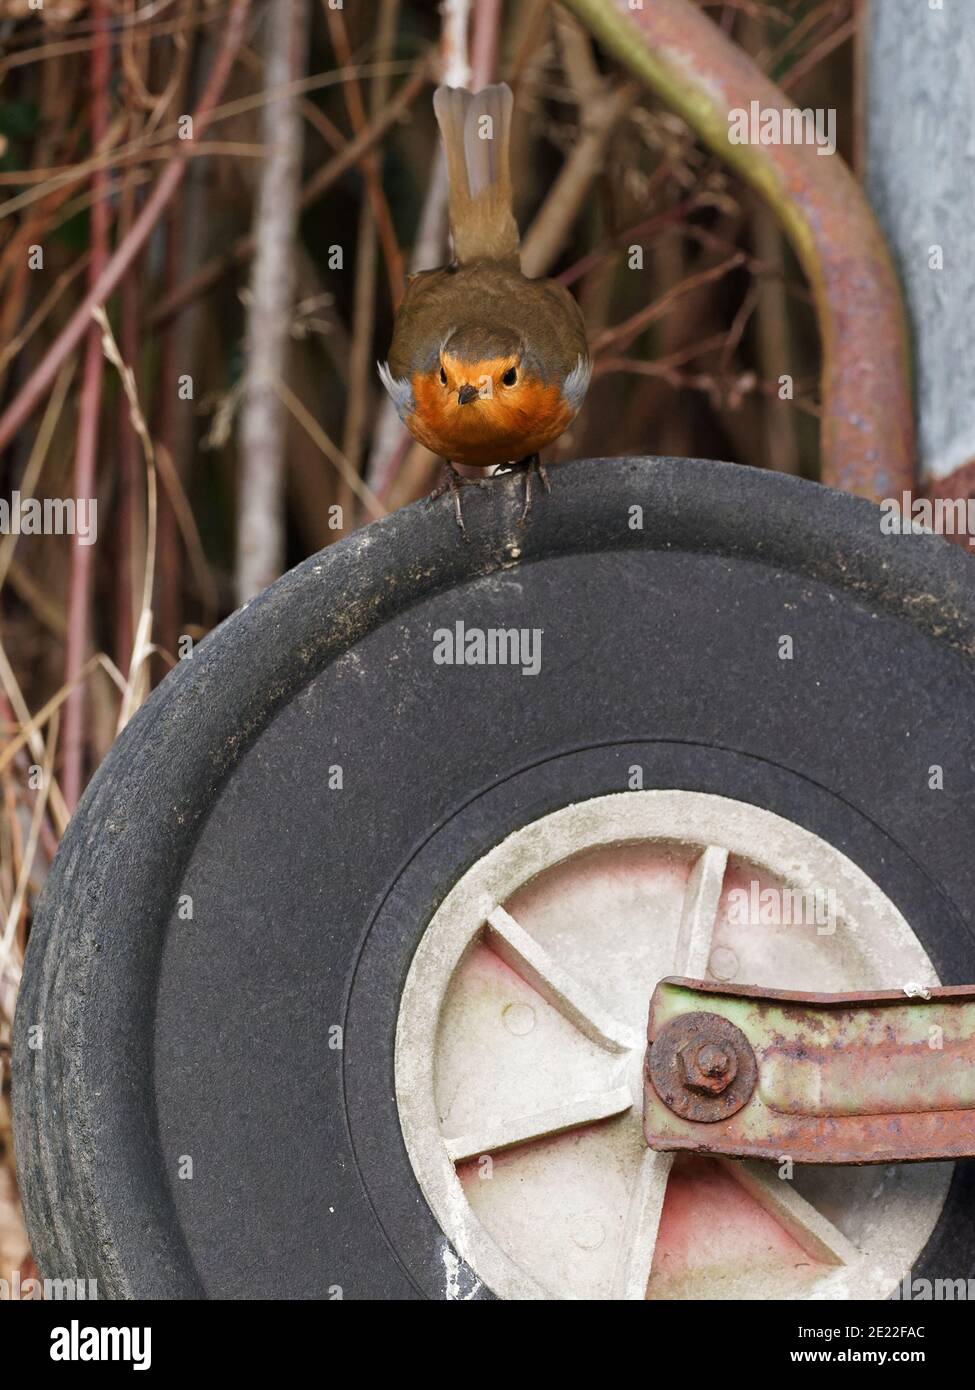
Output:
x,y
530,466
452,482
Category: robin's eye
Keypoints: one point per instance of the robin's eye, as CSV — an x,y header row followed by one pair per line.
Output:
x,y
443,377
510,377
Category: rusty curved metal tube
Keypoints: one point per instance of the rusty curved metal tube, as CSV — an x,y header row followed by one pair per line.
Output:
x,y
867,444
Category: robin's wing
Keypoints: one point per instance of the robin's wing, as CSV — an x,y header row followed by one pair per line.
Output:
x,y
565,321
422,321
576,382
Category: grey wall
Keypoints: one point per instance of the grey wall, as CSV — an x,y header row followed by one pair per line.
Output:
x,y
920,127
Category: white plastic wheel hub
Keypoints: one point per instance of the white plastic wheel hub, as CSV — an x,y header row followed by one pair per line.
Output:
x,y
521,1036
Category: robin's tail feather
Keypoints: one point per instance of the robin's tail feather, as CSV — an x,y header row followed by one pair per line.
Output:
x,y
476,129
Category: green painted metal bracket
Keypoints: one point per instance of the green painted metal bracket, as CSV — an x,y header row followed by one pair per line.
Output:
x,y
816,1078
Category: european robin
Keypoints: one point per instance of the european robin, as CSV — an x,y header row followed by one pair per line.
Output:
x,y
486,367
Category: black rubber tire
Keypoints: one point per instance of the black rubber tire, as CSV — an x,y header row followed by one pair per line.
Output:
x,y
210,1038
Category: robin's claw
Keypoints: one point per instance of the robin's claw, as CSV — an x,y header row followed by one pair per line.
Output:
x,y
451,481
528,496
459,515
530,466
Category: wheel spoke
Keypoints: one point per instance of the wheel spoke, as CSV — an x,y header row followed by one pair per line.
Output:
x,y
694,939
642,1223
817,1235
573,1000
808,1227
505,1134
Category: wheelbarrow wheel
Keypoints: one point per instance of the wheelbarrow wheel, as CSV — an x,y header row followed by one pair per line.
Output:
x,y
206,1064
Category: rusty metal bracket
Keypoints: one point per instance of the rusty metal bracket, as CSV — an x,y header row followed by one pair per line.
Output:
x,y
691,64
883,1077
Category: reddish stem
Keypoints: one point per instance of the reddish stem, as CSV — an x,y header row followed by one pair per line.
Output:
x,y
128,456
168,586
86,450
484,43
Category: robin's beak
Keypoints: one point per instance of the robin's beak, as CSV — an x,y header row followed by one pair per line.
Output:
x,y
467,393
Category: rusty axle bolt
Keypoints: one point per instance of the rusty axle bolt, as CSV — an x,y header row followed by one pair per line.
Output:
x,y
702,1067
707,1067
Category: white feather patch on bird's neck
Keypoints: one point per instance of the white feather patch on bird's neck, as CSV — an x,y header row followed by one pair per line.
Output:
x,y
400,390
576,384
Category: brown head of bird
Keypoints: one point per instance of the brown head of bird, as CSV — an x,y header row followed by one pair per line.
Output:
x,y
486,366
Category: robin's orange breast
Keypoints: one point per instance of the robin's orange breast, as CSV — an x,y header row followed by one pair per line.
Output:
x,y
489,429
